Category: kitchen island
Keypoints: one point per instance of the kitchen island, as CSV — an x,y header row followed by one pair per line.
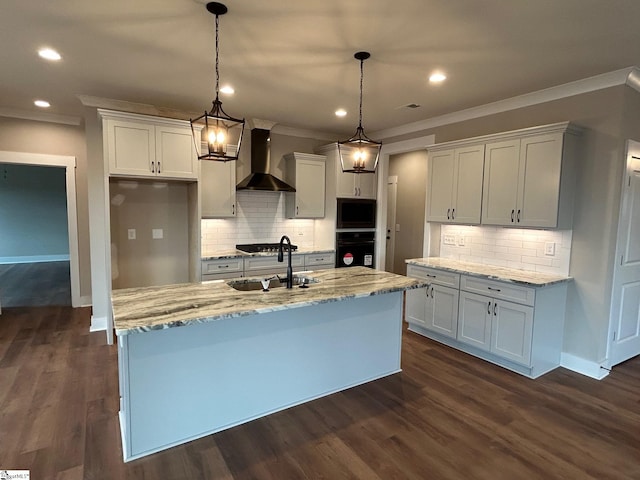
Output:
x,y
197,358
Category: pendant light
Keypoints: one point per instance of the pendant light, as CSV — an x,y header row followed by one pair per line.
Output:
x,y
359,154
219,134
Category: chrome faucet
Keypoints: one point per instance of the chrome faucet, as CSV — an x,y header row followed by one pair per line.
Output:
x,y
281,259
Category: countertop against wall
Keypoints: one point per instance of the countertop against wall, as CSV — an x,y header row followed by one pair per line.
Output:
x,y
233,253
503,274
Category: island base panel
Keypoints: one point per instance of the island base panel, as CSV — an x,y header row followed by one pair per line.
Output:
x,y
183,383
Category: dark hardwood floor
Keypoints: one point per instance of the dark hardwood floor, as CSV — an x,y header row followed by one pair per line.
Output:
x,y
446,416
35,284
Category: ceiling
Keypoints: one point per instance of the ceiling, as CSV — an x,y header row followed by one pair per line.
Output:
x,y
292,62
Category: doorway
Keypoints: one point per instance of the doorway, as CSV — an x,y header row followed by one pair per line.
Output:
x,y
392,195
624,329
69,165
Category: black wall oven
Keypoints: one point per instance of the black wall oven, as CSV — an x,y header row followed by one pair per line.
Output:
x,y
356,213
355,249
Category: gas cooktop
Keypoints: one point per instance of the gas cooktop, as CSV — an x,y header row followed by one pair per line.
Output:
x,y
263,247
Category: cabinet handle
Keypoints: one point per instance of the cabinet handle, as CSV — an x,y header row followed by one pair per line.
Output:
x,y
430,276
153,167
223,266
319,259
512,213
453,214
158,167
448,214
431,292
494,309
494,289
518,215
233,209
489,308
297,210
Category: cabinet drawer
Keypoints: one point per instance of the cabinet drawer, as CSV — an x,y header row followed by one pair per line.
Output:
x,y
262,263
439,277
313,259
220,276
231,265
498,290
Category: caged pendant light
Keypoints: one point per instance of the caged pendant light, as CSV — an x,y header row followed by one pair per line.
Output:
x,y
359,154
219,134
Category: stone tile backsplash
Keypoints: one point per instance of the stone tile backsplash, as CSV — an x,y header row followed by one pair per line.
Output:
x,y
523,249
259,218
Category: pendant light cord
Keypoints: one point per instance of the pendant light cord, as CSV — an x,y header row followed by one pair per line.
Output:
x,y
217,55
361,77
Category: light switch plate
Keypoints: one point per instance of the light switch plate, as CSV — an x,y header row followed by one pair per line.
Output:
x,y
449,239
397,227
157,233
550,248
461,241
131,234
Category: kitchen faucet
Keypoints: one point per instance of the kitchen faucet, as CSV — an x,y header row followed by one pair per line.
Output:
x,y
281,259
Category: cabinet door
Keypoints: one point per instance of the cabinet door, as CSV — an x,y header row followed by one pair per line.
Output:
x,y
218,187
309,195
441,175
416,306
474,320
500,191
467,188
130,148
345,182
175,153
539,183
442,310
366,185
511,331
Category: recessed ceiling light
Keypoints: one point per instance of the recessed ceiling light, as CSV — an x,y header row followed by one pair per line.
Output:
x,y
49,54
42,103
341,112
437,77
227,89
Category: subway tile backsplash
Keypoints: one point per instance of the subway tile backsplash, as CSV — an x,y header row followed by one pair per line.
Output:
x,y
523,249
259,218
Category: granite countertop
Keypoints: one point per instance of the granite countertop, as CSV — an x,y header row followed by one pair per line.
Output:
x,y
233,253
137,310
503,274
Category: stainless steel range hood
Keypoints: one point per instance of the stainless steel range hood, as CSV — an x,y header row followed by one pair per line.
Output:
x,y
260,178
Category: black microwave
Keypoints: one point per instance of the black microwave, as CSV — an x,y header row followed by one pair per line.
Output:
x,y
356,213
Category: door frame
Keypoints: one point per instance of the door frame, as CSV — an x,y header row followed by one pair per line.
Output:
x,y
632,150
69,164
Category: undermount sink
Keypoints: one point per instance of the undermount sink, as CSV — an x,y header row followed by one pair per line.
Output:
x,y
253,284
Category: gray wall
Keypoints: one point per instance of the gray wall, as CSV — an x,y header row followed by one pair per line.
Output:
x,y
411,170
609,117
33,212
48,138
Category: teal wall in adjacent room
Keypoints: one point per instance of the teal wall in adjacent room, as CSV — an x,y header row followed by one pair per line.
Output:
x,y
33,214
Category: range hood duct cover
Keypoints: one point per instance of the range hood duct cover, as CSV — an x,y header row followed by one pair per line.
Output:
x,y
260,178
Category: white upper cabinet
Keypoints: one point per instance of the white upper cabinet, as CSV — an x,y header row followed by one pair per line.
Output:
x,y
521,178
143,146
355,185
306,173
218,187
455,185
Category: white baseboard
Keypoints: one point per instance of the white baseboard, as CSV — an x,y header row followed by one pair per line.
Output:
x,y
582,366
34,259
85,301
98,324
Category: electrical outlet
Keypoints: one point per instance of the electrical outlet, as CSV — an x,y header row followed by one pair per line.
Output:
x,y
131,234
461,241
550,248
449,239
157,234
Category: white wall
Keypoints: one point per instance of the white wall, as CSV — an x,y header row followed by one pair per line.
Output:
x,y
260,218
33,214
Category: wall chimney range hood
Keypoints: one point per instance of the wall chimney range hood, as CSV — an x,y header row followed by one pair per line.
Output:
x,y
260,178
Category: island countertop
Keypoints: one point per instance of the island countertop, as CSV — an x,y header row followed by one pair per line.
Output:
x,y
137,310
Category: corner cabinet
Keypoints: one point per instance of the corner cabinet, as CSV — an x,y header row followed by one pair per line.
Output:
x,y
521,178
305,172
148,147
515,326
455,184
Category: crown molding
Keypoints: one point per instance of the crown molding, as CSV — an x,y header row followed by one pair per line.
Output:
x,y
625,76
133,107
39,116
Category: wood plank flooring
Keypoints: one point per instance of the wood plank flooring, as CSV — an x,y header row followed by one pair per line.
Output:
x,y
35,284
446,416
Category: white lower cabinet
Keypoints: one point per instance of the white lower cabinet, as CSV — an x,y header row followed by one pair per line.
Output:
x,y
221,269
517,327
